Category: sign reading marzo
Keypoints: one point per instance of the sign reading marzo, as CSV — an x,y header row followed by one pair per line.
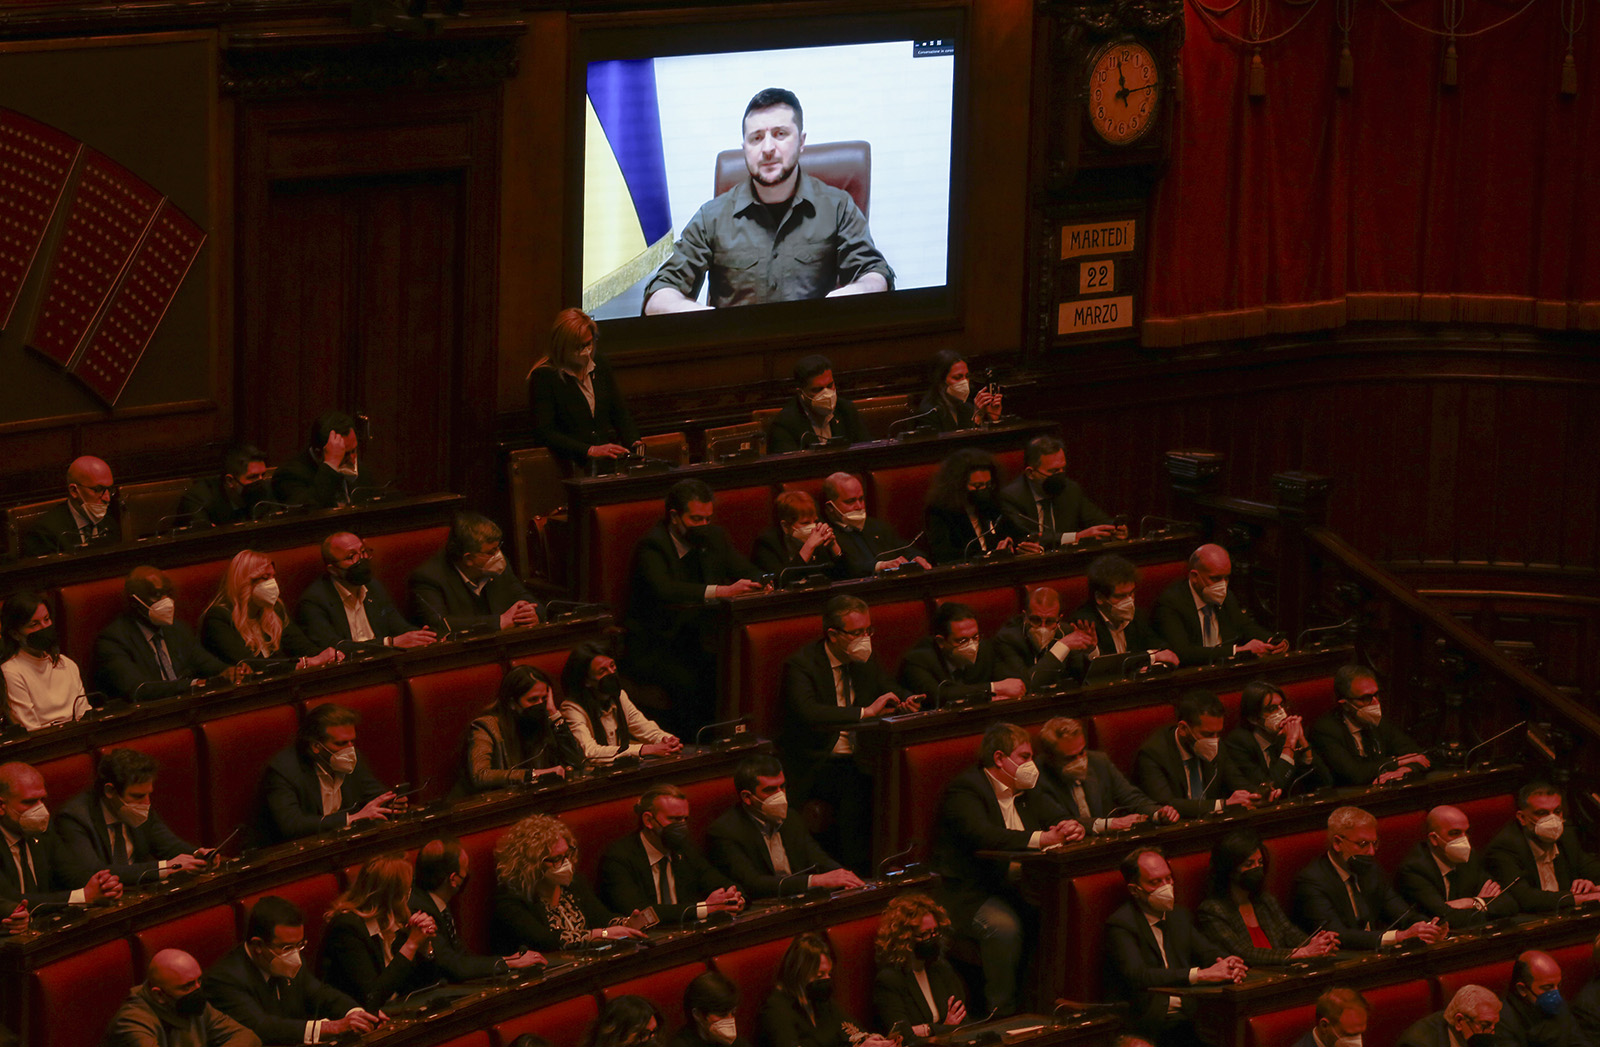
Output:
x,y
1098,274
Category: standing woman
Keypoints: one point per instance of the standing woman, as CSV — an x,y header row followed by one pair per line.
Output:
x,y
519,739
578,412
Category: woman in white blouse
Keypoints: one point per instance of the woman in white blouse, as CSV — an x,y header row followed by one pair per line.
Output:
x,y
602,717
43,686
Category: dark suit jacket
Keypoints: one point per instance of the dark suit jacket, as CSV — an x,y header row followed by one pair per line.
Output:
x,y
735,845
451,959
946,418
1586,1009
1178,623
292,797
222,638
626,883
1419,882
562,420
49,532
969,822
438,592
812,716
1140,635
1524,1025
784,1024
1105,788
1427,1032
775,551
81,822
207,502
900,1003
926,670
1015,656
791,428
667,592
1320,900
1510,856
304,480
861,548
1219,920
522,923
321,613
1331,740
352,962
1073,511
1134,963
952,539
1245,765
124,660
1158,769
56,869
235,987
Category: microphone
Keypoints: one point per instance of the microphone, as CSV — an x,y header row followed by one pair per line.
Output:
x,y
1467,760
1131,662
909,547
1289,788
573,608
810,439
180,522
139,881
237,829
1396,921
369,493
273,509
737,723
1327,631
358,649
963,692
133,695
882,867
1165,526
929,413
94,706
807,573
401,792
801,874
966,550
444,622
1320,928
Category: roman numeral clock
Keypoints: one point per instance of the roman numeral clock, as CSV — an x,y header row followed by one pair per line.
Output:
x,y
1103,109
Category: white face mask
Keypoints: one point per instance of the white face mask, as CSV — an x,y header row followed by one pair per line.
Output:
x,y
1549,828
1371,715
1275,719
1458,850
343,761
724,1030
561,875
95,511
959,390
1206,748
802,531
496,563
285,966
1163,898
775,808
860,649
1120,611
1042,635
1076,770
266,593
133,815
824,400
163,611
964,652
855,519
35,819
1026,775
1215,593
1347,1041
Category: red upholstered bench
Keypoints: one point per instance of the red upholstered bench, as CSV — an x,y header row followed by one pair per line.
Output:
x,y
1489,814
311,895
205,935
234,752
854,966
754,969
1119,734
896,627
296,568
744,512
1394,1009
994,607
66,776
1155,577
475,906
71,1001
438,707
708,799
897,496
1496,977
1397,834
663,988
1092,900
471,1039
194,586
613,531
381,735
762,648
177,795
82,611
564,1024
395,556
1289,855
925,770
596,826
1073,590
548,662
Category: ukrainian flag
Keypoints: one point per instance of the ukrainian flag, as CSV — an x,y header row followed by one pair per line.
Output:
x,y
627,220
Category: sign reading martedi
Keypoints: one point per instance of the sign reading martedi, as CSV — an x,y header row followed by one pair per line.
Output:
x,y
1097,238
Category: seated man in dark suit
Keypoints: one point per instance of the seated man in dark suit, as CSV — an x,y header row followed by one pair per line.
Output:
x,y
1153,944
1586,1005
466,585
113,825
1535,1015
659,867
329,473
829,686
1119,627
955,663
441,875
762,849
263,983
1355,743
1538,858
994,806
1268,752
1087,785
348,605
86,517
869,545
1470,1016
1202,622
37,865
146,653
230,497
1442,877
1043,502
169,1008
1178,765
1344,890
1341,1018
680,565
321,783
1038,647
816,413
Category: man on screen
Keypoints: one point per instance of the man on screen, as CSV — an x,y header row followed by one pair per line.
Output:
x,y
780,237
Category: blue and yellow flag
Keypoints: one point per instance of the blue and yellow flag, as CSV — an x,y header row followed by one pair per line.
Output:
x,y
627,219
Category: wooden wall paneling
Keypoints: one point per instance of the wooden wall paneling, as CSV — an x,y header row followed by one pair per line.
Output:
x,y
1577,493
1533,420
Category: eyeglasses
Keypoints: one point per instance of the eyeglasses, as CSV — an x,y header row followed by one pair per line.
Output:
x,y
1042,619
360,554
855,634
292,949
98,490
965,642
555,861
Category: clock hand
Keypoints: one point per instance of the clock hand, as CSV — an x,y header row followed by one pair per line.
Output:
x,y
1136,90
1122,83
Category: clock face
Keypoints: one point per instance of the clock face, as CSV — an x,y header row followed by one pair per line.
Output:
x,y
1124,92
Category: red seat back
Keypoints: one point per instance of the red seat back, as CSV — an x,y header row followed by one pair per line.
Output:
x,y
926,769
66,776
994,607
1280,1028
1119,734
296,568
898,496
1290,854
1577,966
71,1001
1155,577
395,556
82,611
1496,977
754,970
234,752
744,512
663,988
1489,814
547,662
205,935
1092,900
474,907
1073,590
762,648
896,628
439,708
612,532
708,799
854,967
471,1039
1394,1009
381,735
312,895
1010,463
178,795
194,586
1397,834
1191,874
596,826
564,1024
1309,699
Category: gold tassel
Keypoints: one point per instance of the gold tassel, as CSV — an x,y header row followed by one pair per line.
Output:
x,y
1450,64
1258,76
1347,68
1569,75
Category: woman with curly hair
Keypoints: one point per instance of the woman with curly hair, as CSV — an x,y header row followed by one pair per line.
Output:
x,y
248,622
962,516
541,902
519,739
371,944
627,1021
802,1011
917,993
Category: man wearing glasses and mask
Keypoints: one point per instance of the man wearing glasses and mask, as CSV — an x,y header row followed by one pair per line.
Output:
x,y
86,517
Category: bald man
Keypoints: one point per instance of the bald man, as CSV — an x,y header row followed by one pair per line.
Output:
x,y
1535,1014
1442,877
146,653
83,519
347,604
36,864
169,1010
1202,622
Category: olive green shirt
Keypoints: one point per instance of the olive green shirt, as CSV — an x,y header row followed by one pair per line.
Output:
x,y
141,1022
821,242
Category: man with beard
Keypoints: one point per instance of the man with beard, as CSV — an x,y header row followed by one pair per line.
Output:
x,y
782,236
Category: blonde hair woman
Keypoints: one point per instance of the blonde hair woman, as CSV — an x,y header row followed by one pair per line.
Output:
x,y
249,622
540,901
578,412
374,943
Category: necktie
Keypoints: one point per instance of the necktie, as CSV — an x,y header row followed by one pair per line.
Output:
x,y
1208,622
846,687
121,845
1197,785
777,852
25,867
447,926
1081,798
663,884
1355,905
162,658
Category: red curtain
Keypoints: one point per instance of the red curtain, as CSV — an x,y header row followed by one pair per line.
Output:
x,y
1399,198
